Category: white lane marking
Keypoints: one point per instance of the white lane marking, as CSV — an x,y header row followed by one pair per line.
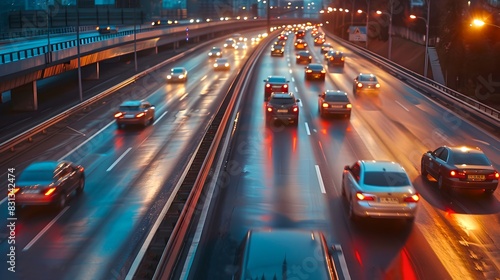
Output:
x,y
204,77
70,128
85,142
296,89
45,229
118,160
3,200
307,128
290,70
343,263
184,96
402,106
293,79
320,179
162,115
481,141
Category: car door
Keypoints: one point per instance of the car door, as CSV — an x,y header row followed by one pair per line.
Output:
x,y
436,160
351,181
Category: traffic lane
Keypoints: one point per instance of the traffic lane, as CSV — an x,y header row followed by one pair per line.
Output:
x,y
121,140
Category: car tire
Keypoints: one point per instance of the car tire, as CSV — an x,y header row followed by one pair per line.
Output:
x,y
342,190
61,201
441,185
152,120
81,186
423,170
352,216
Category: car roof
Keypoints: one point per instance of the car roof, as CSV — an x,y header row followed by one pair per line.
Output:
x,y
335,92
269,253
381,166
315,66
43,165
131,103
367,75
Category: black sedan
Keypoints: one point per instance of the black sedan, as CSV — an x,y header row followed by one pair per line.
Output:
x,y
49,183
303,57
460,168
315,71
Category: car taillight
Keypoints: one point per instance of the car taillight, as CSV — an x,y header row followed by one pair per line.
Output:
x,y
323,71
349,105
413,198
140,115
377,85
309,71
50,191
493,176
364,196
119,115
295,109
268,85
285,86
457,174
359,85
269,109
325,105
14,190
342,58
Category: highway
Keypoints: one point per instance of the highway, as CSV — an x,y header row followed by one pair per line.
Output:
x,y
279,177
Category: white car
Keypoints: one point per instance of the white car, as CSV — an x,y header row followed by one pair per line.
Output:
x,y
177,74
379,189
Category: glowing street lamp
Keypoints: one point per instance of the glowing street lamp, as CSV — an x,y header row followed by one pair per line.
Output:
x,y
426,40
480,23
390,29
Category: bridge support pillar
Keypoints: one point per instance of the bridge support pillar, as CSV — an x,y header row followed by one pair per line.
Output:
x,y
25,97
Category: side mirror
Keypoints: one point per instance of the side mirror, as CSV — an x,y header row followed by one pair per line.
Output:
x,y
347,168
297,100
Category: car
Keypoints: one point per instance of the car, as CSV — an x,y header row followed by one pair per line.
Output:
x,y
240,46
334,102
275,84
277,50
315,71
365,83
178,74
326,47
215,52
49,183
335,58
284,254
135,112
300,44
229,43
282,37
303,57
300,33
107,29
378,189
280,42
460,167
282,106
222,64
320,40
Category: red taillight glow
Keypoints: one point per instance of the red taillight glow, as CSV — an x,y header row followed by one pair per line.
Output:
x,y
413,198
50,191
269,109
268,85
295,109
493,176
457,174
285,86
140,115
377,85
359,85
119,115
349,105
325,105
309,71
363,196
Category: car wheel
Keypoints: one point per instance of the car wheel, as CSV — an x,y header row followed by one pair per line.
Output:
x,y
343,190
152,120
61,201
352,215
296,122
81,186
423,170
441,185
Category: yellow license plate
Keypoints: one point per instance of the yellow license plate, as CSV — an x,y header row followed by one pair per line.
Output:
x,y
476,177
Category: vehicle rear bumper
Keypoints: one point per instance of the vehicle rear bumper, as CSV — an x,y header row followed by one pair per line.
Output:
x,y
469,185
377,210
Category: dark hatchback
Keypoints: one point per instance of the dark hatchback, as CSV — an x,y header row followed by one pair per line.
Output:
x,y
285,254
275,84
335,58
303,57
282,106
277,50
334,102
315,71
463,167
49,183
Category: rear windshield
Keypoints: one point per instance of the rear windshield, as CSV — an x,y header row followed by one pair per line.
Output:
x,y
37,175
129,108
387,179
470,159
282,101
336,98
368,78
177,70
277,80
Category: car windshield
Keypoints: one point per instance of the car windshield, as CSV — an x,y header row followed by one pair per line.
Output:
x,y
470,159
386,179
316,67
336,98
178,71
129,108
36,175
277,80
366,78
282,101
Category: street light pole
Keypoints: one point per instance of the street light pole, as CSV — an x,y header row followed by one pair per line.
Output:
x,y
390,30
426,65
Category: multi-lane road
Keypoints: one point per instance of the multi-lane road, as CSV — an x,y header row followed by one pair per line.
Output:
x,y
278,177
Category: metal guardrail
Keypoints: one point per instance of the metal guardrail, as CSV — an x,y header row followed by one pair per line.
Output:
x,y
487,114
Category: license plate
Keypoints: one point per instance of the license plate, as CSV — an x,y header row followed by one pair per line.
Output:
x,y
129,116
282,111
336,106
31,191
389,200
476,177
